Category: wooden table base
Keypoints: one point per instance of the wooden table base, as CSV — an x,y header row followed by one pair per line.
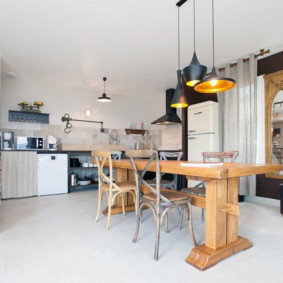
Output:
x,y
203,257
118,209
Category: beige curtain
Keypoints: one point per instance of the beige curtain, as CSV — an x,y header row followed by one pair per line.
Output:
x,y
238,117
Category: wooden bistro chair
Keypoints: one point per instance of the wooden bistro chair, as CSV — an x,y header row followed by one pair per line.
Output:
x,y
107,186
115,155
199,191
157,198
164,183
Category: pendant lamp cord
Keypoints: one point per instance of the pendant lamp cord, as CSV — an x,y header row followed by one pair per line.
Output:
x,y
213,30
104,86
178,38
194,27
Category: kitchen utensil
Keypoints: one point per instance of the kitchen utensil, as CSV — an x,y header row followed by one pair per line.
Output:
x,y
73,179
151,144
84,183
91,165
75,162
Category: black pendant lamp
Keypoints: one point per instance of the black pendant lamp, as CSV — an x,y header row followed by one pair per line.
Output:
x,y
195,72
179,99
104,98
214,84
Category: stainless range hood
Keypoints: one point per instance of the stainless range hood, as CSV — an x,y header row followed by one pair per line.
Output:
x,y
171,116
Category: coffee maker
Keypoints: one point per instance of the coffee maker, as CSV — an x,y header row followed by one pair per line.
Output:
x,y
51,143
7,141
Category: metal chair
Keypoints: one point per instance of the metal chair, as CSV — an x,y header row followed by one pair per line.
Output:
x,y
164,183
116,154
111,189
210,156
157,198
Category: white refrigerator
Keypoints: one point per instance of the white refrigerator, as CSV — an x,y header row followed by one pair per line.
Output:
x,y
203,130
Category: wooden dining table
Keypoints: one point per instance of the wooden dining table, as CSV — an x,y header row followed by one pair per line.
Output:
x,y
221,203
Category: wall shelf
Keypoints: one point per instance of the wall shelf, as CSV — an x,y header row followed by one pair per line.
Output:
x,y
135,132
28,117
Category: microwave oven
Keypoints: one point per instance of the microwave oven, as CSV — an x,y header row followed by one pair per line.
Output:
x,y
30,143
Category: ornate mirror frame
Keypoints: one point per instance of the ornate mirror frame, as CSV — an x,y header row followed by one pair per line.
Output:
x,y
273,83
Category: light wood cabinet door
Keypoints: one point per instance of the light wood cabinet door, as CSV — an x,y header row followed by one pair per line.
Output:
x,y
19,174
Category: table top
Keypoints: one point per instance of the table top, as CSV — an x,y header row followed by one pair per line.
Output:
x,y
224,171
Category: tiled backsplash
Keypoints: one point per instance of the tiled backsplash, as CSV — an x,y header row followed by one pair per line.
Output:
x,y
164,137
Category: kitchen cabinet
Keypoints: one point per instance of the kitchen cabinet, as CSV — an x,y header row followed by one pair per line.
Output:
x,y
19,174
82,169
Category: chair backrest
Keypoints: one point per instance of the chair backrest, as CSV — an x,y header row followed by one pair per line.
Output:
x,y
220,155
175,155
151,156
116,154
101,158
164,155
109,147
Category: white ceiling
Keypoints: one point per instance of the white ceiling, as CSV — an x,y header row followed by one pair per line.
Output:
x,y
133,43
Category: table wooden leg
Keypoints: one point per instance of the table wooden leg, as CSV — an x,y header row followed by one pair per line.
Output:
x,y
221,226
232,220
215,224
121,175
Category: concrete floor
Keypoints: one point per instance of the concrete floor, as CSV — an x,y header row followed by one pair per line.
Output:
x,y
55,239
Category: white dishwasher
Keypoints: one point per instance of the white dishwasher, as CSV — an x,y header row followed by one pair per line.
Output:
x,y
52,174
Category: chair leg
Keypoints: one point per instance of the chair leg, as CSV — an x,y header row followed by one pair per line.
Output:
x,y
138,221
133,193
109,211
136,205
202,214
157,237
191,225
181,212
166,222
122,195
98,205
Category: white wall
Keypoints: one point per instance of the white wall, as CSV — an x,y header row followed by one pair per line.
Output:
x,y
59,99
0,86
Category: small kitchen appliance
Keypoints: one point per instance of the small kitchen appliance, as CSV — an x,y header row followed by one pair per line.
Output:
x,y
30,143
51,143
7,141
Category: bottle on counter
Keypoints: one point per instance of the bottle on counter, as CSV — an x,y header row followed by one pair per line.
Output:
x,y
73,179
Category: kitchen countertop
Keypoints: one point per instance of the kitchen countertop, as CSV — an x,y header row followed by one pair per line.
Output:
x,y
68,151
45,151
